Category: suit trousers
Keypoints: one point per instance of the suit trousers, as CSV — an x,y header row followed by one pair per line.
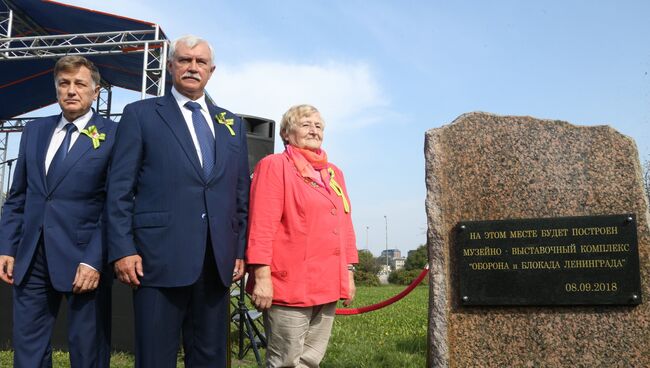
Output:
x,y
36,305
298,336
199,310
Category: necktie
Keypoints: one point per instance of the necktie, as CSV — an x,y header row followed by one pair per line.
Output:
x,y
204,136
60,154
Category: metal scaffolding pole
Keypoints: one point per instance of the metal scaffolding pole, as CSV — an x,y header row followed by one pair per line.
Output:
x,y
154,67
4,140
6,21
103,105
96,43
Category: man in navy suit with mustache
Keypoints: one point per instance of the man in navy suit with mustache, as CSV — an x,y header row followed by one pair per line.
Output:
x,y
51,231
177,214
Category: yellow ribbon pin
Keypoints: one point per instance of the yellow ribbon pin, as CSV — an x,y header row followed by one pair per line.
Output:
x,y
94,135
221,119
338,190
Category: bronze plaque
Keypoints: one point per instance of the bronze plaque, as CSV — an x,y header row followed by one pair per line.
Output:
x,y
549,261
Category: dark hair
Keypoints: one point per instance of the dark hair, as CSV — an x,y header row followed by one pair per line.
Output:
x,y
73,62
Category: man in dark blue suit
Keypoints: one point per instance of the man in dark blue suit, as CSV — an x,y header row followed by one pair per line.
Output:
x,y
177,214
51,230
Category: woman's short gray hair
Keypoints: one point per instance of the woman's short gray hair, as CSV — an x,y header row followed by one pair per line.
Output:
x,y
292,116
190,41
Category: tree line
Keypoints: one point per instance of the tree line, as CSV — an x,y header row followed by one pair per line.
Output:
x,y
369,267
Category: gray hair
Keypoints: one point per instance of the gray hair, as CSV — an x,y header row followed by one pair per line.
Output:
x,y
190,41
292,116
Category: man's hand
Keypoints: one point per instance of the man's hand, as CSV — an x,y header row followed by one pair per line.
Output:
x,y
263,291
238,272
86,279
353,290
128,269
7,269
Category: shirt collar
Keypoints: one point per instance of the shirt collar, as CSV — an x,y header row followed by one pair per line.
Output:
x,y
182,100
79,122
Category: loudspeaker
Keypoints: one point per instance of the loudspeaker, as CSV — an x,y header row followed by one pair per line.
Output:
x,y
260,137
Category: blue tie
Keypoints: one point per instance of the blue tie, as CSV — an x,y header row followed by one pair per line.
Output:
x,y
60,154
204,136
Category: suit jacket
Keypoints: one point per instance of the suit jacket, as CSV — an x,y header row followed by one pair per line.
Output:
x,y
68,213
302,231
159,204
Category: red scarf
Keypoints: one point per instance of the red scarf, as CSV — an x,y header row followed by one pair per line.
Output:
x,y
309,163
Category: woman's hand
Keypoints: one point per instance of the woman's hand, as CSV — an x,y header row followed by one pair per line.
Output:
x,y
353,290
263,291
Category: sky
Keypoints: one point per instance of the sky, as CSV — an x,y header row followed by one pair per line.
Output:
x,y
383,72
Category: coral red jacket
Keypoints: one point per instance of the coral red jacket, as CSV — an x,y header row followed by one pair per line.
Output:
x,y
302,231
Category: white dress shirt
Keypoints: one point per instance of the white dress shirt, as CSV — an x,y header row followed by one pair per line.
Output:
x,y
57,139
187,114
59,135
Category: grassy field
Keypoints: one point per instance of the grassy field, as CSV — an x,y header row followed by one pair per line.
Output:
x,y
394,336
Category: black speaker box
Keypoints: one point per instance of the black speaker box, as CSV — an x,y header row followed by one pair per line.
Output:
x,y
260,138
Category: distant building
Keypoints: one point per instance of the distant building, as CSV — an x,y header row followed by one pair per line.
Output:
x,y
398,263
391,254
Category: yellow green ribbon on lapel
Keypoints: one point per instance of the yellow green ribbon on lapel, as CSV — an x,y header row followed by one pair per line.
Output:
x,y
221,119
94,135
338,190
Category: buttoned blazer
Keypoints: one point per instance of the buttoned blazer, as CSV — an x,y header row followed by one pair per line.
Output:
x,y
302,231
68,213
161,207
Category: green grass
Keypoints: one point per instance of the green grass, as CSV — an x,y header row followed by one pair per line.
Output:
x,y
394,336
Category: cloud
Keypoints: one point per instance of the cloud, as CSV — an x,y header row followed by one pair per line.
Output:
x,y
347,94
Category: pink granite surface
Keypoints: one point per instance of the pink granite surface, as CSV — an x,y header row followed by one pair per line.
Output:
x,y
489,167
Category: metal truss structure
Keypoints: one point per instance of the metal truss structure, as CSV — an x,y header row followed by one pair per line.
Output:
x,y
151,43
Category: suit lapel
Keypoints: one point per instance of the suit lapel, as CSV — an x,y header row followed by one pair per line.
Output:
x,y
45,134
81,145
172,116
222,138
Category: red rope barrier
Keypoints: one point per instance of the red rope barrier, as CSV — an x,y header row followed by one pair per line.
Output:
x,y
389,301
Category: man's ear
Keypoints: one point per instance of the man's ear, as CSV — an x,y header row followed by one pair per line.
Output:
x,y
97,88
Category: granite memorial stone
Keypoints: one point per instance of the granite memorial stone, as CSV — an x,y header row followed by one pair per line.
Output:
x,y
485,168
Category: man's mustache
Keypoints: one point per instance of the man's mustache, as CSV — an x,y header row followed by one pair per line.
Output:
x,y
192,75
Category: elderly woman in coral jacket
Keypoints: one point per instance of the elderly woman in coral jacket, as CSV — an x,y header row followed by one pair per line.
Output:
x,y
301,244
